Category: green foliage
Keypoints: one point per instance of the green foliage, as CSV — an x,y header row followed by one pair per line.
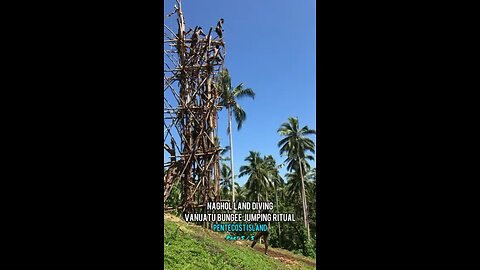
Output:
x,y
228,99
230,95
295,144
307,246
225,181
264,182
309,249
258,182
191,247
175,197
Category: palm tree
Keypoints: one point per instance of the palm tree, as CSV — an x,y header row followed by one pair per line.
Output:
x,y
226,184
257,175
273,174
276,180
240,191
218,171
225,176
296,145
293,188
229,97
311,182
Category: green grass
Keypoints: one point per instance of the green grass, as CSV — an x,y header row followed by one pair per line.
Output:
x,y
187,246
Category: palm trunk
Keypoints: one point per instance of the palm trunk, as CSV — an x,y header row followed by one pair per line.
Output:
x,y
278,223
231,153
304,201
266,199
258,199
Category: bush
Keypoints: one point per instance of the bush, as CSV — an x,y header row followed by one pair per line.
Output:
x,y
307,246
308,249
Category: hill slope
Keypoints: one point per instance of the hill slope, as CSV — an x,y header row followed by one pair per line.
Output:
x,y
187,246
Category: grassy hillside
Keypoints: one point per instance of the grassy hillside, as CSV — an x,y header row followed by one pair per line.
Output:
x,y
188,246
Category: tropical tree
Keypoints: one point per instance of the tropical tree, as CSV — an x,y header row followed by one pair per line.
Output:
x,y
229,98
276,180
293,188
223,150
273,174
225,183
311,181
296,146
257,175
241,192
218,170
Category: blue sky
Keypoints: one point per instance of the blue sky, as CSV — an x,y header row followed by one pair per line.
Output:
x,y
270,48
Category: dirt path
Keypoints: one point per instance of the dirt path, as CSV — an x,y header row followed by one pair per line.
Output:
x,y
288,259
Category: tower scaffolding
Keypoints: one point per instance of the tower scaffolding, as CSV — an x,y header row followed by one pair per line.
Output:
x,y
191,61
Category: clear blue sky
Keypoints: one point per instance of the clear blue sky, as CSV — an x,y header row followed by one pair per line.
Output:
x,y
271,49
